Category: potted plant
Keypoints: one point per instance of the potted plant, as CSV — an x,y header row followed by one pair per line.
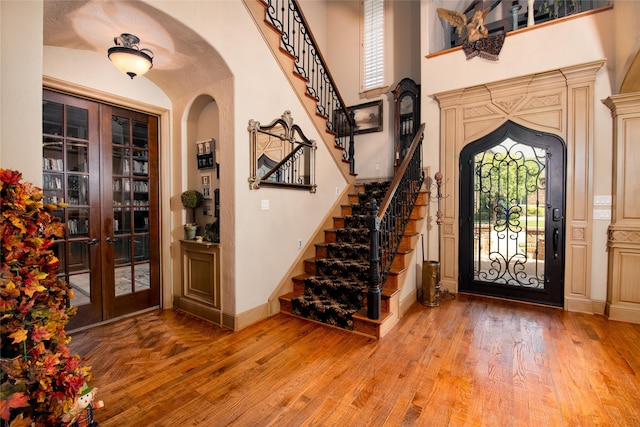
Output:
x,y
39,377
191,199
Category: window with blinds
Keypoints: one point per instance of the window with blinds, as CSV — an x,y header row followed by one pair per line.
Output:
x,y
373,44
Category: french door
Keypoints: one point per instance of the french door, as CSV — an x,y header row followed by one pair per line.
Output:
x,y
512,210
101,162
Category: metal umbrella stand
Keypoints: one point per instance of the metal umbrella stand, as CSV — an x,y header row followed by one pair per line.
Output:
x,y
429,292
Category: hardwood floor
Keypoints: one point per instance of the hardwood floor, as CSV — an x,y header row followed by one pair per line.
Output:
x,y
469,362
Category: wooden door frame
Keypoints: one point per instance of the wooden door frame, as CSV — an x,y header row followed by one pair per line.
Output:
x,y
559,102
164,153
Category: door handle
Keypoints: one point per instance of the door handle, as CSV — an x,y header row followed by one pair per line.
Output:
x,y
110,239
556,238
91,242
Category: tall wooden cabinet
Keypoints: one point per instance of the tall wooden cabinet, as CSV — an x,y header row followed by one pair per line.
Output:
x,y
623,290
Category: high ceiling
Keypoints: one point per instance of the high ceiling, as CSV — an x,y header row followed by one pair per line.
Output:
x,y
183,61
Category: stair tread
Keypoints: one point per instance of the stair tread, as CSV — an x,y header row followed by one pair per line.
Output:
x,y
325,291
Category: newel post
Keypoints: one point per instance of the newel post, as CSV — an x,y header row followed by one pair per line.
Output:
x,y
373,294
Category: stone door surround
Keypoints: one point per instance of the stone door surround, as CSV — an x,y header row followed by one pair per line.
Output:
x,y
560,102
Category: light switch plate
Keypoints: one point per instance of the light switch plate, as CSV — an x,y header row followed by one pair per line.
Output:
x,y
602,200
264,204
601,214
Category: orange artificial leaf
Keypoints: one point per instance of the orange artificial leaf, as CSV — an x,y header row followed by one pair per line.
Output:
x,y
20,421
40,334
16,400
55,228
19,336
10,176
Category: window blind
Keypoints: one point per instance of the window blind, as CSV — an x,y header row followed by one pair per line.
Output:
x,y
373,44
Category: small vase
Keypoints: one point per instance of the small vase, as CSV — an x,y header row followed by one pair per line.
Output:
x,y
530,14
190,231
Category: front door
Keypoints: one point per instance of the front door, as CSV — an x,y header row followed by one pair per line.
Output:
x,y
101,162
512,209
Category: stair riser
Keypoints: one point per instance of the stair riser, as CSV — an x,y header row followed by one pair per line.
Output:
x,y
359,253
344,272
342,293
321,250
345,210
346,235
329,236
310,267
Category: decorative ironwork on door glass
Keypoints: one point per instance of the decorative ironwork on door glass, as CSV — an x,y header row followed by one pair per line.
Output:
x,y
509,184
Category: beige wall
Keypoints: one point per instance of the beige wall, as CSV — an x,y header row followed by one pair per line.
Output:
x,y
20,88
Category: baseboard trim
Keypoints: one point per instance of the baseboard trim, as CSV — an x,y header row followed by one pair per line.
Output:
x,y
197,309
250,317
584,305
623,314
407,302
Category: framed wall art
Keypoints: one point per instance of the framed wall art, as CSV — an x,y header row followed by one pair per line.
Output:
x,y
205,181
206,154
368,118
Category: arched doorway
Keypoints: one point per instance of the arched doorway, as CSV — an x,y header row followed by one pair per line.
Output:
x,y
512,210
558,102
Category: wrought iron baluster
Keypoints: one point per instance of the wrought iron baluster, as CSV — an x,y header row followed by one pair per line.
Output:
x,y
298,41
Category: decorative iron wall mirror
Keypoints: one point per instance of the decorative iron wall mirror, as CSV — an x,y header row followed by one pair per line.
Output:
x,y
406,97
281,155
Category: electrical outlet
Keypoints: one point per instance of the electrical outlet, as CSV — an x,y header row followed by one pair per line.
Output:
x,y
337,190
299,243
377,166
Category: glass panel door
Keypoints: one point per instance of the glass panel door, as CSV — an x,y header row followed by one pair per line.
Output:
x,y
70,155
99,163
512,203
133,238
509,200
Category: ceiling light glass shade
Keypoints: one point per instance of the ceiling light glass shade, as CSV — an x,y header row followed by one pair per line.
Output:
x,y
128,58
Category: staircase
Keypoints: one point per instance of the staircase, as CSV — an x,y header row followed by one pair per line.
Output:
x,y
333,288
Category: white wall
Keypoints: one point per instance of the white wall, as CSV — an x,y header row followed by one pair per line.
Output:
x,y
20,88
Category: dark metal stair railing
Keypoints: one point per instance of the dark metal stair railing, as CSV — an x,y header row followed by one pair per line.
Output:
x,y
388,223
298,41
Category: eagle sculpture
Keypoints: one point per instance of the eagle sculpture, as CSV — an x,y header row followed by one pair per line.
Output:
x,y
475,28
475,40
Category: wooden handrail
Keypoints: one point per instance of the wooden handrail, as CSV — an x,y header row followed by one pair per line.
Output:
x,y
384,205
388,224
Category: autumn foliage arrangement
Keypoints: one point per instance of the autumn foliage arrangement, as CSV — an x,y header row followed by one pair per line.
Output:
x,y
40,379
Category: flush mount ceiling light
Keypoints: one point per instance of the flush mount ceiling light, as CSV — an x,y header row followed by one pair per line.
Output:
x,y
128,58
